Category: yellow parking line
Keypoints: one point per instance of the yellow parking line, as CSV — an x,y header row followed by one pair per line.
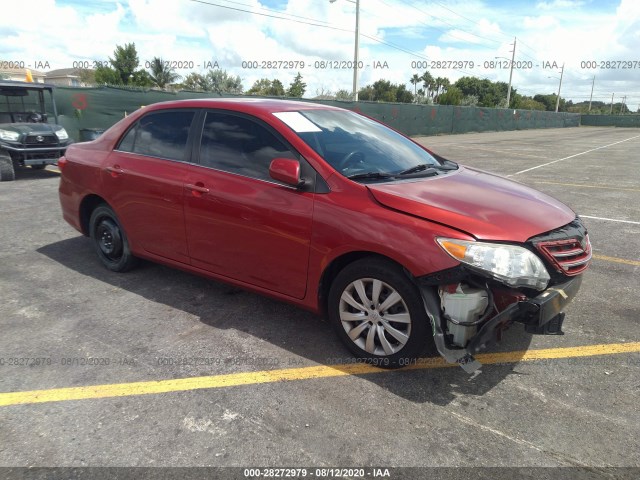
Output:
x,y
617,260
588,186
54,170
290,374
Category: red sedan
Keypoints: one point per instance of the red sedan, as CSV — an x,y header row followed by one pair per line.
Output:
x,y
331,211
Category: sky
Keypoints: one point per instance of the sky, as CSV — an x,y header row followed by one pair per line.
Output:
x,y
398,38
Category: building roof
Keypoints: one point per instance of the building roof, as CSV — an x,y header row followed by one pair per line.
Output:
x,y
22,71
63,72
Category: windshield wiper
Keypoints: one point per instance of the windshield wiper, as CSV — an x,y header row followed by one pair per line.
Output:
x,y
370,175
423,167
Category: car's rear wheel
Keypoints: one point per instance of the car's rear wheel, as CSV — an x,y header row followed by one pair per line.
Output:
x,y
378,313
110,240
7,172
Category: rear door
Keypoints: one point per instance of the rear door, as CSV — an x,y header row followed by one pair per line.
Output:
x,y
144,179
241,223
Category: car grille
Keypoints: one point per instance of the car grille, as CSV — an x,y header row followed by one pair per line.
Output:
x,y
566,250
35,140
572,256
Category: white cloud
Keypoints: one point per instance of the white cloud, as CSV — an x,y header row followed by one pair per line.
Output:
x,y
559,4
478,30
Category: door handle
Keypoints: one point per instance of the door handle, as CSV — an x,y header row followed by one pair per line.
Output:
x,y
198,189
114,171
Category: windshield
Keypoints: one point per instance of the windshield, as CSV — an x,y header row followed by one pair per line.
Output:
x,y
355,145
20,105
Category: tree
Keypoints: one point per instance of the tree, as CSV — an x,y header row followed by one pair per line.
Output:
x,y
277,89
403,95
490,94
107,76
549,101
87,76
414,81
125,61
441,85
140,78
526,103
161,73
218,81
266,87
427,84
344,95
194,81
123,69
453,96
385,91
297,88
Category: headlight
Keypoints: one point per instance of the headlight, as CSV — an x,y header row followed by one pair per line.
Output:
x,y
62,134
9,135
510,264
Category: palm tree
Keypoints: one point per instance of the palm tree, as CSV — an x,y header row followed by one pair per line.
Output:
x,y
414,81
162,74
427,83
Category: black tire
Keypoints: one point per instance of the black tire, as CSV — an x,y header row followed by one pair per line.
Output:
x,y
110,240
38,167
368,326
7,172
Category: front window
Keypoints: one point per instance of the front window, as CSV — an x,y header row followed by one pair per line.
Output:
x,y
355,145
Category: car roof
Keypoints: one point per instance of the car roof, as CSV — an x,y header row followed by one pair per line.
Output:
x,y
244,104
27,85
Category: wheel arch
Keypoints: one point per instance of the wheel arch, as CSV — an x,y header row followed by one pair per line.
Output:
x,y
87,206
338,264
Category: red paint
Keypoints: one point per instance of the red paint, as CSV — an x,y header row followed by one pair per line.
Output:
x,y
79,101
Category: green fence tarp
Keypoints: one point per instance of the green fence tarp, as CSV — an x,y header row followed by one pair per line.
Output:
x,y
611,120
102,107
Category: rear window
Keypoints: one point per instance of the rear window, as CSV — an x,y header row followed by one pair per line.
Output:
x,y
161,134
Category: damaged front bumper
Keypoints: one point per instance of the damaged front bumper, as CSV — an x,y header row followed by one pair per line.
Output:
x,y
542,314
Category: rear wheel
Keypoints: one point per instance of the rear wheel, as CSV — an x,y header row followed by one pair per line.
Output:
x,y
378,313
110,240
7,172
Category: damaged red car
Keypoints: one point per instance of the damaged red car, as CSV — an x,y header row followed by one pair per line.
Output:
x,y
401,249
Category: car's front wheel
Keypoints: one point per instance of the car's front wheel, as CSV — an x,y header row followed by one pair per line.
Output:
x,y
110,240
378,313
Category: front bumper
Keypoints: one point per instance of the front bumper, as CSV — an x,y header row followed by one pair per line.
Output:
x,y
536,313
35,155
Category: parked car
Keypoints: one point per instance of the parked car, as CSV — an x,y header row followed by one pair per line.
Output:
x,y
398,247
29,136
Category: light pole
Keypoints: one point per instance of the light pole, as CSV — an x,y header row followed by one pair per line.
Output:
x,y
513,56
591,97
559,87
356,48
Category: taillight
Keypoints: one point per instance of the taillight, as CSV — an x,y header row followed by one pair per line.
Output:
x,y
62,162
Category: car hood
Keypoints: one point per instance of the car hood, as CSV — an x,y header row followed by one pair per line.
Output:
x,y
35,128
484,205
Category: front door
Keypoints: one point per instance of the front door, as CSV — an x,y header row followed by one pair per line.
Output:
x,y
241,223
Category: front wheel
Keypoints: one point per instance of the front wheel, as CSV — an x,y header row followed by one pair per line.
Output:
x,y
110,240
7,172
378,313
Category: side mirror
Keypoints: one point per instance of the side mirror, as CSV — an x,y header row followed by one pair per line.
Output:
x,y
286,171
